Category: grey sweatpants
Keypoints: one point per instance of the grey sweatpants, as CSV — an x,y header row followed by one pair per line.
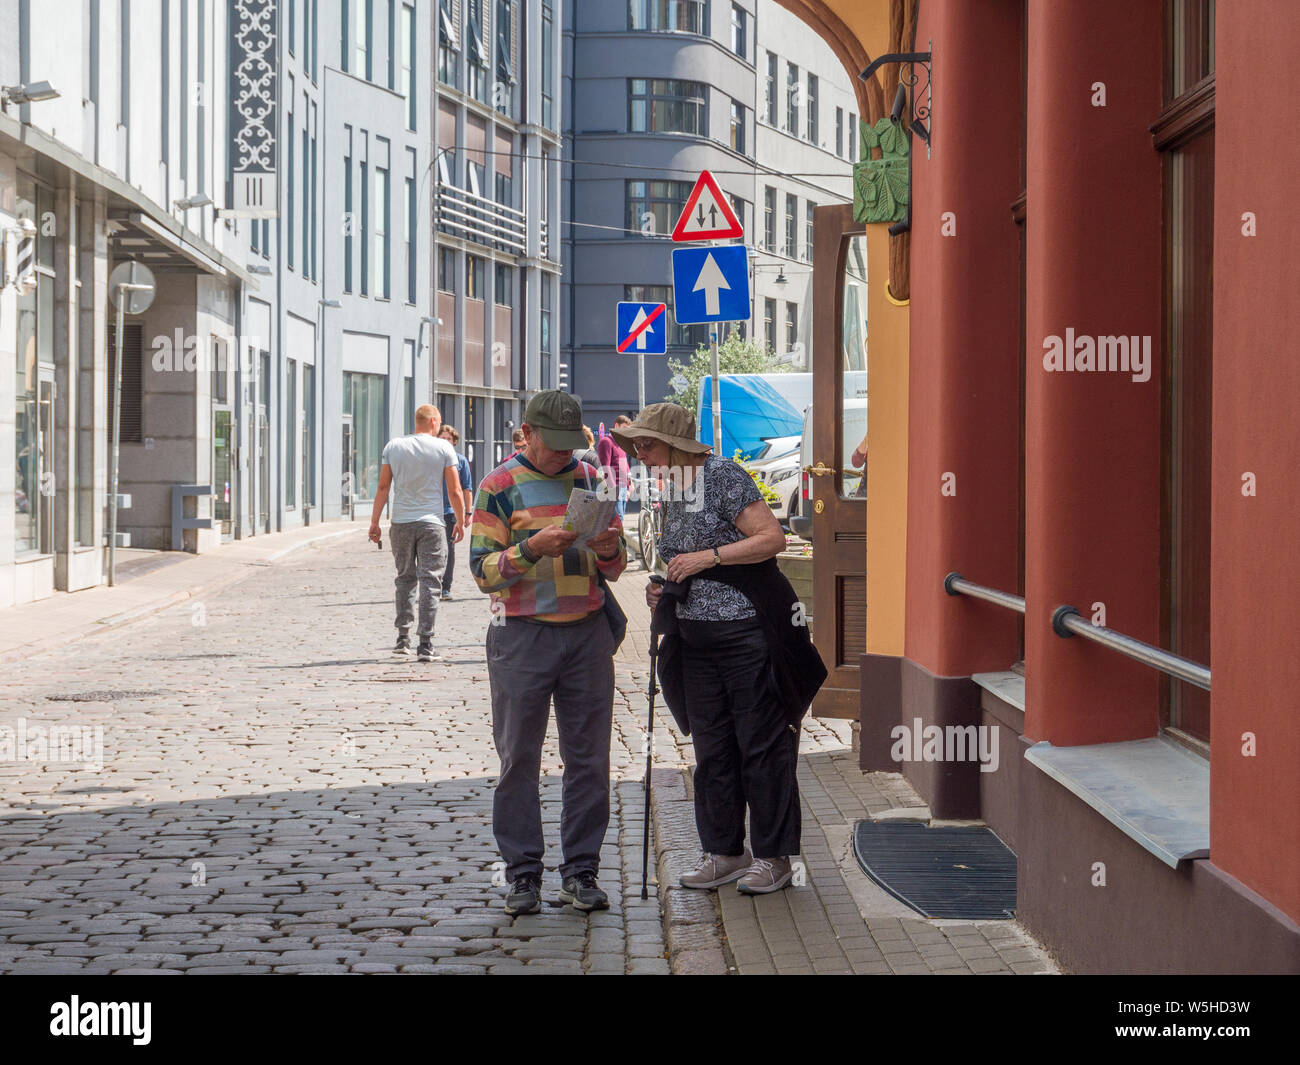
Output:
x,y
529,664
420,553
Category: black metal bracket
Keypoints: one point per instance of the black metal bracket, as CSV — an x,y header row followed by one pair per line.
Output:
x,y
919,119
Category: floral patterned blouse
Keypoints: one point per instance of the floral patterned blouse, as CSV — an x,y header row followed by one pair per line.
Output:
x,y
700,519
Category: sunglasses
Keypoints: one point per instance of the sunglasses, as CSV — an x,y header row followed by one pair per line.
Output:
x,y
644,443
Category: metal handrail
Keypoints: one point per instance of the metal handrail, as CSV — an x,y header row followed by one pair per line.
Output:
x,y
956,584
1067,621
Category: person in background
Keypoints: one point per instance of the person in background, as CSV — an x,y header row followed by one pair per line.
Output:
x,y
517,440
449,434
589,456
419,470
614,464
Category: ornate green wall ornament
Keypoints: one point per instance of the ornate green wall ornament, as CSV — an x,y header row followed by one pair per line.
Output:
x,y
881,187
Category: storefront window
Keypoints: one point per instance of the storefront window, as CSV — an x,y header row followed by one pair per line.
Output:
x,y
364,399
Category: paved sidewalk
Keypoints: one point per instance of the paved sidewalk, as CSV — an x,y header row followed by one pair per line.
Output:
x,y
838,921
68,616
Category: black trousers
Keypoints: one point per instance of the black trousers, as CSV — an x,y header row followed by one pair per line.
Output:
x,y
450,519
746,753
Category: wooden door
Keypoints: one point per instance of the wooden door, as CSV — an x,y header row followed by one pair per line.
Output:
x,y
839,423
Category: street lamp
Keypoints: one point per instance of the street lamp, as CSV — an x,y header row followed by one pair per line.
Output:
x,y
33,92
258,268
190,202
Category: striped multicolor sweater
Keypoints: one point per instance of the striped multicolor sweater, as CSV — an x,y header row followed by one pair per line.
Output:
x,y
514,501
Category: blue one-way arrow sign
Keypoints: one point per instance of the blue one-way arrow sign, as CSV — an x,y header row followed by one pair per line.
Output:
x,y
711,284
642,328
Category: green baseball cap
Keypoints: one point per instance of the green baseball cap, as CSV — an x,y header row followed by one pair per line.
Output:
x,y
558,417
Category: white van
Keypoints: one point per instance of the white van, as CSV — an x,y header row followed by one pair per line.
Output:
x,y
854,480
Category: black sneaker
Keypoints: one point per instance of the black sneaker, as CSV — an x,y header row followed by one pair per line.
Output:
x,y
426,651
581,892
525,895
403,646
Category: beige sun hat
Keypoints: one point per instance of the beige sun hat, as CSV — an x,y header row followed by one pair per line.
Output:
x,y
669,422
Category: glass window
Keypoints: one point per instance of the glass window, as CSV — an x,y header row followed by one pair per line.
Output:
x,y
769,322
809,207
447,269
365,398
548,67
474,278
291,437
504,284
813,109
791,325
406,86
503,91
770,92
684,16
738,41
654,204
409,217
852,393
769,218
290,182
365,230
738,126
852,134
448,45
362,68
349,219
309,435
382,246
792,99
839,132
791,226
665,105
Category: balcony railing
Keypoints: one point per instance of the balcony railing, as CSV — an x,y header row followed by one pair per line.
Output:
x,y
466,214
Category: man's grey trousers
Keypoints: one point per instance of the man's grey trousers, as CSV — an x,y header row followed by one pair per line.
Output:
x,y
420,553
529,664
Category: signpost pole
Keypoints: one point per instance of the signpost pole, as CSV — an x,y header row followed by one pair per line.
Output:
x,y
717,396
640,381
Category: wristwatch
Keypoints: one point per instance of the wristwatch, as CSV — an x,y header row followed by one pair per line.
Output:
x,y
717,558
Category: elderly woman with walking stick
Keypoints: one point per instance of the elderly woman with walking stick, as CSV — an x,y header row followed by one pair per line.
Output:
x,y
736,663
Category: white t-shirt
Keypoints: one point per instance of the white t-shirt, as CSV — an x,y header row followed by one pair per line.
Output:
x,y
419,463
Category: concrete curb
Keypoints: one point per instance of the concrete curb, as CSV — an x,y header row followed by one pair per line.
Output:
x,y
244,570
693,932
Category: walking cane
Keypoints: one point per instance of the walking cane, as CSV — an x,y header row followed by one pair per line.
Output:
x,y
649,752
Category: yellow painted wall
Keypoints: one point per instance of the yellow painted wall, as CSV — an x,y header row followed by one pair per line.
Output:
x,y
887,382
887,370
887,365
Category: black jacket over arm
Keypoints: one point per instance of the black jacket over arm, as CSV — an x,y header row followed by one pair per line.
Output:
x,y
797,671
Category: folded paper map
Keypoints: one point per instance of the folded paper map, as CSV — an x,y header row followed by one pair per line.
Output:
x,y
588,515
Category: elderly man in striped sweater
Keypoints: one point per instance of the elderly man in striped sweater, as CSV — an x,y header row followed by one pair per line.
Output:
x,y
549,639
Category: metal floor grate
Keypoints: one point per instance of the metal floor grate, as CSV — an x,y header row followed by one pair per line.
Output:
x,y
961,872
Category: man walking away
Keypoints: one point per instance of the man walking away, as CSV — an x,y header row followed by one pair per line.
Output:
x,y
613,462
549,638
418,470
449,434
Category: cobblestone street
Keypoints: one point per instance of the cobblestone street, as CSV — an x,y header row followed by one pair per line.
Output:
x,y
278,792
281,793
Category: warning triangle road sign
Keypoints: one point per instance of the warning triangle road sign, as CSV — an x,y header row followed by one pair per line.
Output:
x,y
707,214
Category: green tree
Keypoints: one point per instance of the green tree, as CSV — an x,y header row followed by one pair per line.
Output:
x,y
735,355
